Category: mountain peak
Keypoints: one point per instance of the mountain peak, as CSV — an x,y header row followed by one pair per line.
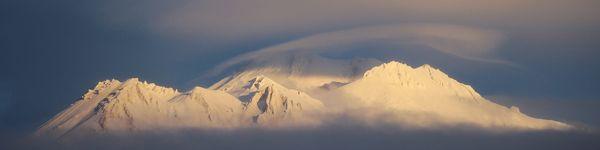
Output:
x,y
106,83
264,82
426,66
197,89
271,104
392,67
399,87
424,78
396,71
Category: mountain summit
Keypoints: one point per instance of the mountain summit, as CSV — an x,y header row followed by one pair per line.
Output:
x,y
391,93
426,97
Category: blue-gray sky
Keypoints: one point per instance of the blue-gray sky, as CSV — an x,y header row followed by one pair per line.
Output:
x,y
53,51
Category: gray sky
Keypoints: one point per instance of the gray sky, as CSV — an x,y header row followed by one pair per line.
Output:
x,y
53,51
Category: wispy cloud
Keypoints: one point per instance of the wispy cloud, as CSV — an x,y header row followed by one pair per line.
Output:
x,y
236,25
468,43
249,18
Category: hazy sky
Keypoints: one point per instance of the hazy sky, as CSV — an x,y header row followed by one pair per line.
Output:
x,y
539,55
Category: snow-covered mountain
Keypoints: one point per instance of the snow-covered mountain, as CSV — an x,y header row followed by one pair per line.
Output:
x,y
112,105
426,97
289,94
134,106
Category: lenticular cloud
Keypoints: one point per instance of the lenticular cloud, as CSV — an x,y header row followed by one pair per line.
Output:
x,y
468,43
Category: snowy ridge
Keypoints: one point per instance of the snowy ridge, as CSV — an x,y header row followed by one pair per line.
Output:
x,y
206,108
134,106
79,112
270,104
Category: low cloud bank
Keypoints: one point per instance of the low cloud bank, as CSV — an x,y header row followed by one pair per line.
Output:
x,y
346,137
341,131
344,131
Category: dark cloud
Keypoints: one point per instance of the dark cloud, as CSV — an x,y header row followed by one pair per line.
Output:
x,y
248,18
347,137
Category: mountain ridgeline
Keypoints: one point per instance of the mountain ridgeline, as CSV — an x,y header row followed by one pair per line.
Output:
x,y
291,96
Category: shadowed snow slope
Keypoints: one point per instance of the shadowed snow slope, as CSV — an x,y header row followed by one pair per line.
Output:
x,y
391,93
271,104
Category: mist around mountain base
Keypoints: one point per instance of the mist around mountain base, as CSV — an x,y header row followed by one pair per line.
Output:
x,y
363,105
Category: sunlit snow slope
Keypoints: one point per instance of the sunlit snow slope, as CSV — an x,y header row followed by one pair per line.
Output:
x,y
134,106
427,97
